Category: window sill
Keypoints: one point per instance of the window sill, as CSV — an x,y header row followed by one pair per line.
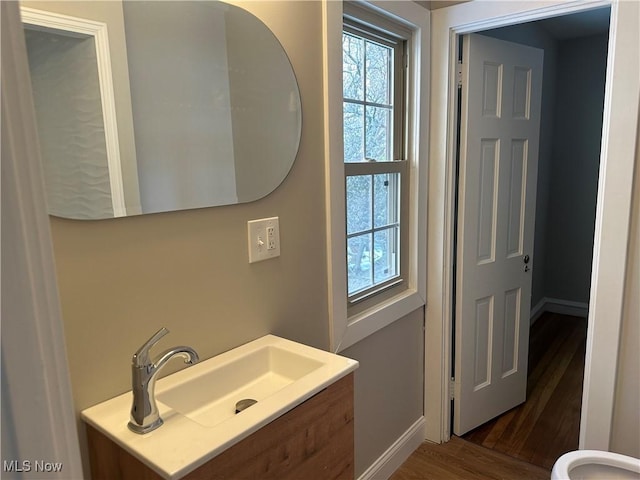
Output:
x,y
363,324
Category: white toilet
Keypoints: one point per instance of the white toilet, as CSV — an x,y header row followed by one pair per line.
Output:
x,y
596,465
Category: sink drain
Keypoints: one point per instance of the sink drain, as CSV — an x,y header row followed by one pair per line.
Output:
x,y
244,403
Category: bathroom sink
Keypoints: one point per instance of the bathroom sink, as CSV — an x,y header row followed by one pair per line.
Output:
x,y
198,404
209,395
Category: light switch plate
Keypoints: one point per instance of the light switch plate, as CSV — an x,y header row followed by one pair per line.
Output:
x,y
264,239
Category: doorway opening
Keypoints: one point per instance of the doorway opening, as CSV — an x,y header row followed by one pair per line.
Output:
x,y
575,56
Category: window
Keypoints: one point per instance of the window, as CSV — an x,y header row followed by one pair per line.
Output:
x,y
376,169
376,136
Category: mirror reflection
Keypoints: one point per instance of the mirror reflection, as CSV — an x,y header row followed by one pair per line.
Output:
x,y
201,109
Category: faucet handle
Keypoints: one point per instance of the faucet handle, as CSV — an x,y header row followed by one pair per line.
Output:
x,y
141,357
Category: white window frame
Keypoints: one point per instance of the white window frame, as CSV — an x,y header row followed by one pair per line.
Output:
x,y
360,23
344,330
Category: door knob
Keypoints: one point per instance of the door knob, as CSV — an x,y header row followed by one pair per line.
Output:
x,y
526,263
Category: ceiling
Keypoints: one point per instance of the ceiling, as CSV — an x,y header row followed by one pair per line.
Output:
x,y
590,22
434,4
583,24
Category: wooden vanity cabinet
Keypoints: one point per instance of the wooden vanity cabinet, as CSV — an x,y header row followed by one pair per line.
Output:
x,y
313,441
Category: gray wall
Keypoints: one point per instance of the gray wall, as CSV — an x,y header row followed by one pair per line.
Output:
x,y
388,386
573,177
570,132
534,36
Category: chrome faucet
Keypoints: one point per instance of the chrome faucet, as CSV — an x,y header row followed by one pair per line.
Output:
x,y
144,372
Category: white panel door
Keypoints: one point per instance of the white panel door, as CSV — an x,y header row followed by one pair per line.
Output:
x,y
500,124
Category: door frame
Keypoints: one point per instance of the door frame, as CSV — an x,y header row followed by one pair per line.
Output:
x,y
40,422
66,25
613,209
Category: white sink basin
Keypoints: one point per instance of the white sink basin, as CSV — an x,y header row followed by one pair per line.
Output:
x,y
209,395
198,403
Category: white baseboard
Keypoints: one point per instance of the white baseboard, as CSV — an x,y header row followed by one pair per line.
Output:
x,y
537,311
558,305
397,453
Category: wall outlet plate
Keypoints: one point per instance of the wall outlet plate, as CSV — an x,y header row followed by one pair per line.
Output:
x,y
264,239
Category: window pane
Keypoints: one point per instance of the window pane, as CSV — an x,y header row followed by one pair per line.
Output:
x,y
386,201
372,199
359,203
378,139
353,132
352,67
359,269
385,254
379,60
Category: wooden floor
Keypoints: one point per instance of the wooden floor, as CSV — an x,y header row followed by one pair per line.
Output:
x,y
525,442
460,459
548,423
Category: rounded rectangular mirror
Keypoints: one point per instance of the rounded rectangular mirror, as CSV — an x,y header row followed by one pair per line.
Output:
x,y
203,109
